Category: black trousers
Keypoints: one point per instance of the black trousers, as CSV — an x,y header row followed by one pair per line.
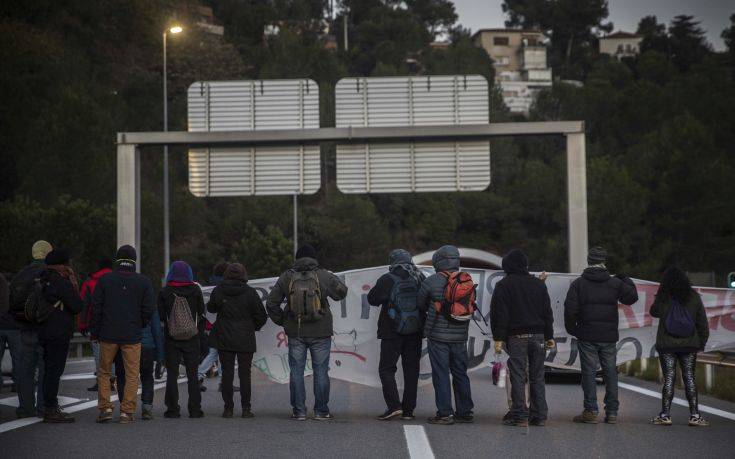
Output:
x,y
408,348
527,352
146,375
55,353
189,351
244,361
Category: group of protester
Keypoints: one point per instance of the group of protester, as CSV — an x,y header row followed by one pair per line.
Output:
x,y
138,333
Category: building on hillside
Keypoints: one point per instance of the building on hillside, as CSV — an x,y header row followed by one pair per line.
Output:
x,y
205,20
621,44
519,59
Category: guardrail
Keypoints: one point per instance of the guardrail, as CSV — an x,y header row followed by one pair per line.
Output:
x,y
76,346
718,358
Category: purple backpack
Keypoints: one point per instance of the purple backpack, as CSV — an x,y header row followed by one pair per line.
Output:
x,y
679,322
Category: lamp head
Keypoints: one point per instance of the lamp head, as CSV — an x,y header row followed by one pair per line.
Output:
x,y
175,29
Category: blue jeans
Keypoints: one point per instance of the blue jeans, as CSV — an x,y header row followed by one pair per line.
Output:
x,y
591,357
320,349
207,363
30,390
11,338
451,358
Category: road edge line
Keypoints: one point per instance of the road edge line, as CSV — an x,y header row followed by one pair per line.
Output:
x,y
679,401
417,442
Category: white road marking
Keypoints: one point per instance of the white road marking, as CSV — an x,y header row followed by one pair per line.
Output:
x,y
78,376
63,401
679,401
18,423
418,442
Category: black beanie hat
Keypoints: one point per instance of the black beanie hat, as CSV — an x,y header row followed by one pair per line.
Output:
x,y
306,251
597,256
126,252
57,257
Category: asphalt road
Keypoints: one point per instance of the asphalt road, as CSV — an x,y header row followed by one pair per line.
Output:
x,y
355,433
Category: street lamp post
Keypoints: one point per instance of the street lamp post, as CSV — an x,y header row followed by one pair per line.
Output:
x,y
166,226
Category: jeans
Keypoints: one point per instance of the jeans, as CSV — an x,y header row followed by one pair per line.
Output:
x,y
30,390
147,359
131,364
451,358
408,348
526,354
11,338
591,357
688,364
244,361
55,353
207,362
189,350
320,349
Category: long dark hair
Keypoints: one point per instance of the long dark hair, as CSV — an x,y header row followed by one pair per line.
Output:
x,y
675,284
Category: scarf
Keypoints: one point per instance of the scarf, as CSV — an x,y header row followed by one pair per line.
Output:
x,y
178,284
411,269
67,273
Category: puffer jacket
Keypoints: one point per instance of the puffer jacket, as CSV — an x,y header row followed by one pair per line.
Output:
x,y
668,343
437,326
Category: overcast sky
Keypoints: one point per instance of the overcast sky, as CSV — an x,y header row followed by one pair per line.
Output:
x,y
624,14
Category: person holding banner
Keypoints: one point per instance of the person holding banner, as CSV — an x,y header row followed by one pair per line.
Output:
x,y
591,315
399,332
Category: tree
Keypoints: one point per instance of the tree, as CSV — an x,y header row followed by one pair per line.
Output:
x,y
688,45
654,35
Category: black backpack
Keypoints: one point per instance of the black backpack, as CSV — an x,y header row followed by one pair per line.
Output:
x,y
20,289
37,310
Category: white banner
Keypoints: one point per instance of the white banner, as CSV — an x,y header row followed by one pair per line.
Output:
x,y
356,348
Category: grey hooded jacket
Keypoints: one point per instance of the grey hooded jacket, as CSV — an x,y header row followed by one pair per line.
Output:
x,y
437,326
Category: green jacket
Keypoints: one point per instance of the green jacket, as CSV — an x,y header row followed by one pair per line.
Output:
x,y
667,343
331,287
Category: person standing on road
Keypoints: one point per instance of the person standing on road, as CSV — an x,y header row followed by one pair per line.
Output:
x,y
307,321
447,343
683,331
522,321
399,331
240,313
122,305
181,307
61,290
211,356
591,315
85,317
30,360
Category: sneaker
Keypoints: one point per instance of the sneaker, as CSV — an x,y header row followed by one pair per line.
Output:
x,y
228,413
94,388
508,416
172,414
298,417
126,418
105,415
662,420
611,419
441,420
587,417
408,416
323,417
516,422
698,421
538,422
247,414
56,416
196,414
389,414
469,419
146,415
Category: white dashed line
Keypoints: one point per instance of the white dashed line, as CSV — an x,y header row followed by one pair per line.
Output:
x,y
418,442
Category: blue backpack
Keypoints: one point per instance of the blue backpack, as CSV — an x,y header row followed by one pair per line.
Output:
x,y
679,322
403,308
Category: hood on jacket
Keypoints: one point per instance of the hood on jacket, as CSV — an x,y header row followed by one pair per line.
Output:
x,y
305,264
399,256
446,258
233,287
236,271
515,262
596,274
180,271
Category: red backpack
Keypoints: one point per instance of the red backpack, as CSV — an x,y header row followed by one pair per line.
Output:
x,y
459,297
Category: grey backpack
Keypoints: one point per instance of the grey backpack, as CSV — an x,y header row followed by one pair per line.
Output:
x,y
305,296
181,325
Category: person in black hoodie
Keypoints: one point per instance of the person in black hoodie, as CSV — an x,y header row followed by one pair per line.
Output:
x,y
180,283
394,345
61,289
521,319
122,305
591,315
240,313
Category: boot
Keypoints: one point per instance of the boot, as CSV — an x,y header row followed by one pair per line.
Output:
x,y
56,416
587,417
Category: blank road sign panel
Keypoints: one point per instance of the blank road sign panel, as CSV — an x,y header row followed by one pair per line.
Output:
x,y
413,166
251,106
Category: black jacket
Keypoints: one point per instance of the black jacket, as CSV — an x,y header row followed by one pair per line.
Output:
x,y
123,303
667,343
193,294
60,324
240,313
520,304
379,295
331,287
591,306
